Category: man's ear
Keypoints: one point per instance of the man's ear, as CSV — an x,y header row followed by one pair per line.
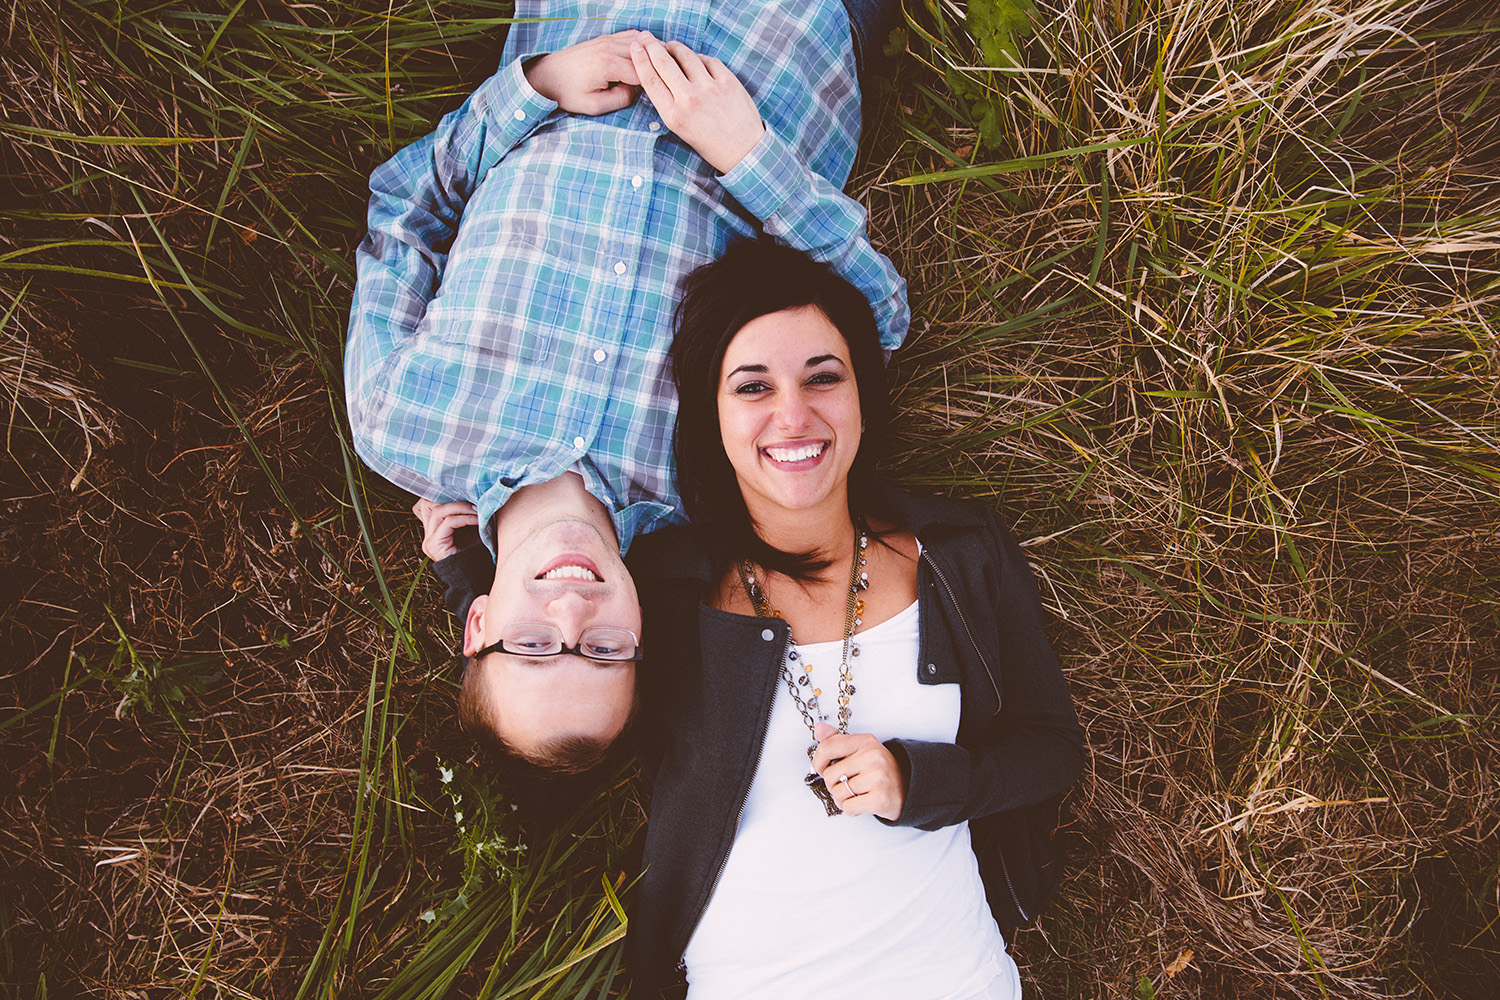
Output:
x,y
474,625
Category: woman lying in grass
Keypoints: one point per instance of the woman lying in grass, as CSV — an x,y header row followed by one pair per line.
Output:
x,y
856,730
847,686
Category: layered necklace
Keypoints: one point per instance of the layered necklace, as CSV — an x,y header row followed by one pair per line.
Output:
x,y
854,609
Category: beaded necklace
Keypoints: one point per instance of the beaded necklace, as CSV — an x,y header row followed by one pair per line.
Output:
x,y
854,608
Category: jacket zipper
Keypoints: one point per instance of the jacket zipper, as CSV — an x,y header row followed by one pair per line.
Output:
x,y
713,886
990,673
952,600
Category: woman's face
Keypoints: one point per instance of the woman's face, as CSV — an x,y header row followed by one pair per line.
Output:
x,y
789,413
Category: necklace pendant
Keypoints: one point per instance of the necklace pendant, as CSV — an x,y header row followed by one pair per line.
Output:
x,y
820,789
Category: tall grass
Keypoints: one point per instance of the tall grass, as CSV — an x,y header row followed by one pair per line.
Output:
x,y
1206,300
1212,290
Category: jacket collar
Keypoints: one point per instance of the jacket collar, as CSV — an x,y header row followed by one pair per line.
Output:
x,y
678,553
923,513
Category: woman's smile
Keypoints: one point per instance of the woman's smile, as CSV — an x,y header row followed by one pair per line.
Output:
x,y
799,455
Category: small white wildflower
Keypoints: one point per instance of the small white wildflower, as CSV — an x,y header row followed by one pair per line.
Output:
x,y
446,774
458,816
428,917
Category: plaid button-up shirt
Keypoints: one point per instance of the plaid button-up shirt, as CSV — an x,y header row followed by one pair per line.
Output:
x,y
513,306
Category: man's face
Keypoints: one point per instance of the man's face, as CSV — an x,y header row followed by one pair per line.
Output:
x,y
561,570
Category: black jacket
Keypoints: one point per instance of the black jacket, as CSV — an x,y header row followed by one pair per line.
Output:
x,y
708,685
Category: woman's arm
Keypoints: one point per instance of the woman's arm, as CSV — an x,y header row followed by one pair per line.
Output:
x,y
451,540
1034,748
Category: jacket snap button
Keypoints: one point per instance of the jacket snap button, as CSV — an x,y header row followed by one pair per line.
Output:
x,y
767,635
932,668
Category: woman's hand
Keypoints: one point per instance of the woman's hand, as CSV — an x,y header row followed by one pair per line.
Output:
x,y
439,522
860,772
699,99
596,77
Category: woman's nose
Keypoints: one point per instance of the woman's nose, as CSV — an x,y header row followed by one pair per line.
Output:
x,y
792,412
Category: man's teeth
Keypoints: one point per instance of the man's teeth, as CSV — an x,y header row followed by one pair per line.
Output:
x,y
798,454
570,573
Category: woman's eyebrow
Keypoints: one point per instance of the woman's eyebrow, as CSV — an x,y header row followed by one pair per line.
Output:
x,y
762,369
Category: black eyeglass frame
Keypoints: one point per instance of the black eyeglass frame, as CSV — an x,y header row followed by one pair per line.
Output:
x,y
499,646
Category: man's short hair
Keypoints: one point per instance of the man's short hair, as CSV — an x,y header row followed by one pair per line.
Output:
x,y
477,713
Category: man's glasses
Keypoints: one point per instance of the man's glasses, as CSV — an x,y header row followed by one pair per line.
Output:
x,y
611,645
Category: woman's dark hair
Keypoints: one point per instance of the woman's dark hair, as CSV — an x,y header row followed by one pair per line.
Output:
x,y
751,279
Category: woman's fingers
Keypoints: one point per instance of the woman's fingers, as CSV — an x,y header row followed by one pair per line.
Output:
x,y
439,522
837,746
862,775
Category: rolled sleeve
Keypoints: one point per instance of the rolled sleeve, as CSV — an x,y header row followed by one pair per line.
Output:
x,y
801,209
510,105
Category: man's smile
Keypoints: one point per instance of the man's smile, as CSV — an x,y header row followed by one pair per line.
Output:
x,y
572,567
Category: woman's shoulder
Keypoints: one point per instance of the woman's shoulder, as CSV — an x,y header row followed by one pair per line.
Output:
x,y
925,512
676,552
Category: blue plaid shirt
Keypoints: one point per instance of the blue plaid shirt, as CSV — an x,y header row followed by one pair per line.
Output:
x,y
514,298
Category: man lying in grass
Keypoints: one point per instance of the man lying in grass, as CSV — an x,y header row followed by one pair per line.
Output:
x,y
511,317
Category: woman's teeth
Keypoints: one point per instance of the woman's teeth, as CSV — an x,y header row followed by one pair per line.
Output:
x,y
570,573
797,454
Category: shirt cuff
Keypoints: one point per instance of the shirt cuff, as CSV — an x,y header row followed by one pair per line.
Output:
x,y
510,105
767,178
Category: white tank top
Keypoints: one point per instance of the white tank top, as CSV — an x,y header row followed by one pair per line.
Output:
x,y
810,905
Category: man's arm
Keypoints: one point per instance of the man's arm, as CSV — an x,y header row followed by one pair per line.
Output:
x,y
707,107
417,197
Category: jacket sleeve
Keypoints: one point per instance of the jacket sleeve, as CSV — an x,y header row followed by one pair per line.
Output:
x,y
801,209
1034,748
465,575
416,201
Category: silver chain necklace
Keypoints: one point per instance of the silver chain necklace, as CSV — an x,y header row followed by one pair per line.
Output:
x,y
854,609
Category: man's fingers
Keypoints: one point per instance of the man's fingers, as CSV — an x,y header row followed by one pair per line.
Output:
x,y
715,67
690,62
662,62
651,81
617,97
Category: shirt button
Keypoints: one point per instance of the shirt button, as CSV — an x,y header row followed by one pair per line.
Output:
x,y
619,267
636,181
767,635
520,115
932,668
654,126
599,355
578,443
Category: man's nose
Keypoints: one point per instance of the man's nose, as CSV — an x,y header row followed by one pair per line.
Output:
x,y
571,611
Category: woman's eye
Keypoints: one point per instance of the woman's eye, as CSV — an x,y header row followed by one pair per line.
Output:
x,y
750,388
826,378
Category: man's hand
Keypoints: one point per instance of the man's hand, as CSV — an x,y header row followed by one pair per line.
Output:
x,y
699,99
861,773
595,77
439,522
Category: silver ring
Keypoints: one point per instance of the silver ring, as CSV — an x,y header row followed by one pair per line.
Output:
x,y
843,780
